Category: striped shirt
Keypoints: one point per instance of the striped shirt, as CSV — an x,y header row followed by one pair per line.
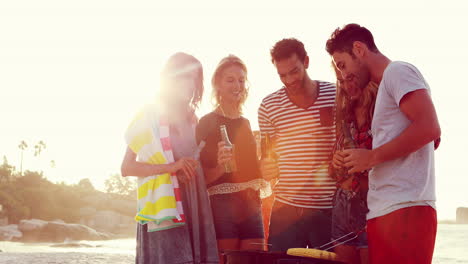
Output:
x,y
304,139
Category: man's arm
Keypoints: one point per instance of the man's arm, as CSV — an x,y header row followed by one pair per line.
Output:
x,y
424,128
268,168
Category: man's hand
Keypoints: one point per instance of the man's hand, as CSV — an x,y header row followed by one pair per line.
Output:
x,y
269,168
357,160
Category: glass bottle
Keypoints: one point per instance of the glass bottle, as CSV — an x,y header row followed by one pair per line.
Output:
x,y
267,147
231,165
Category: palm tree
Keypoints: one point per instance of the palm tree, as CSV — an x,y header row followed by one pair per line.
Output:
x,y
39,147
22,146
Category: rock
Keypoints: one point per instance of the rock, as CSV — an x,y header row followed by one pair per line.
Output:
x,y
10,232
31,229
87,211
31,225
462,215
35,230
58,232
73,245
3,221
111,221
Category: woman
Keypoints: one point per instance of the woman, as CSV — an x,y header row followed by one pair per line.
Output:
x,y
234,195
161,142
354,109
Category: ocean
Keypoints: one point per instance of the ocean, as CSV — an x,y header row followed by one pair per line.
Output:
x,y
451,248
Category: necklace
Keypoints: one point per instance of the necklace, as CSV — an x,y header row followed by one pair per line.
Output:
x,y
224,114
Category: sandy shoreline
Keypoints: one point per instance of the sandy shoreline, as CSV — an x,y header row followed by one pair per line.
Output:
x,y
65,257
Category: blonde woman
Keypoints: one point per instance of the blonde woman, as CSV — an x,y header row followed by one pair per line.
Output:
x,y
234,196
354,109
193,241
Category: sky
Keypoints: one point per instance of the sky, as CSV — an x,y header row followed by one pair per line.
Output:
x,y
73,73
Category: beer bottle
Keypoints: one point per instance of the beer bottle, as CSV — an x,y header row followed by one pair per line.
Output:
x,y
347,143
266,147
231,165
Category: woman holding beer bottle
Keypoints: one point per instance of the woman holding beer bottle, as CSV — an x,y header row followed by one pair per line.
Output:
x,y
354,110
230,163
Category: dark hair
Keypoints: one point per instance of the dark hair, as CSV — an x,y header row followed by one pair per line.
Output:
x,y
342,39
285,48
178,65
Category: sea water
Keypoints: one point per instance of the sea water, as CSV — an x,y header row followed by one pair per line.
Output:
x,y
451,248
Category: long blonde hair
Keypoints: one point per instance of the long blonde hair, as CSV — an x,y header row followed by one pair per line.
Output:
x,y
345,108
226,62
177,65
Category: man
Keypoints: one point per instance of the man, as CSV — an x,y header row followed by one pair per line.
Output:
x,y
402,220
299,119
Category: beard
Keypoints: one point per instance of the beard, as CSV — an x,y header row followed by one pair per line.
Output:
x,y
357,83
362,75
297,88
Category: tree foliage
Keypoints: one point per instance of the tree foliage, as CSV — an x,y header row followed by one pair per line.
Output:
x,y
86,184
120,185
31,195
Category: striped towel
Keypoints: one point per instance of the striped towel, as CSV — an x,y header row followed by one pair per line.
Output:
x,y
159,202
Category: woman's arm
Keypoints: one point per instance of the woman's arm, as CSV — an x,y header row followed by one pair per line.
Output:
x,y
131,167
212,174
224,156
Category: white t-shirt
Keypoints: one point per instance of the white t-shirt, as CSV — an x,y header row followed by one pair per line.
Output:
x,y
406,181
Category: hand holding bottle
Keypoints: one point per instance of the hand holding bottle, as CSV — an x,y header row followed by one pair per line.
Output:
x,y
224,153
269,159
269,168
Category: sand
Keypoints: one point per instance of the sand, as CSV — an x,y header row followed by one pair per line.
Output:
x,y
65,257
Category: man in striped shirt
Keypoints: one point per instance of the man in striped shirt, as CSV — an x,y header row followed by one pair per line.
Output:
x,y
300,119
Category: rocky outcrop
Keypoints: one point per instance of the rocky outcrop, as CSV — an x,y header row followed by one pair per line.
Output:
x,y
462,215
111,222
10,232
109,215
103,216
3,221
72,245
58,232
35,230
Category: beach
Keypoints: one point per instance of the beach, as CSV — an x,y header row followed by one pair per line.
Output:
x,y
451,245
65,257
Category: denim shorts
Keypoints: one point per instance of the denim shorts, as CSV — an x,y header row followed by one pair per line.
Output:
x,y
349,215
237,215
297,227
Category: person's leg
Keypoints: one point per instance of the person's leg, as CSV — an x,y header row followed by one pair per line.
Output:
x,y
225,221
404,236
251,232
347,254
364,255
285,231
419,239
317,224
